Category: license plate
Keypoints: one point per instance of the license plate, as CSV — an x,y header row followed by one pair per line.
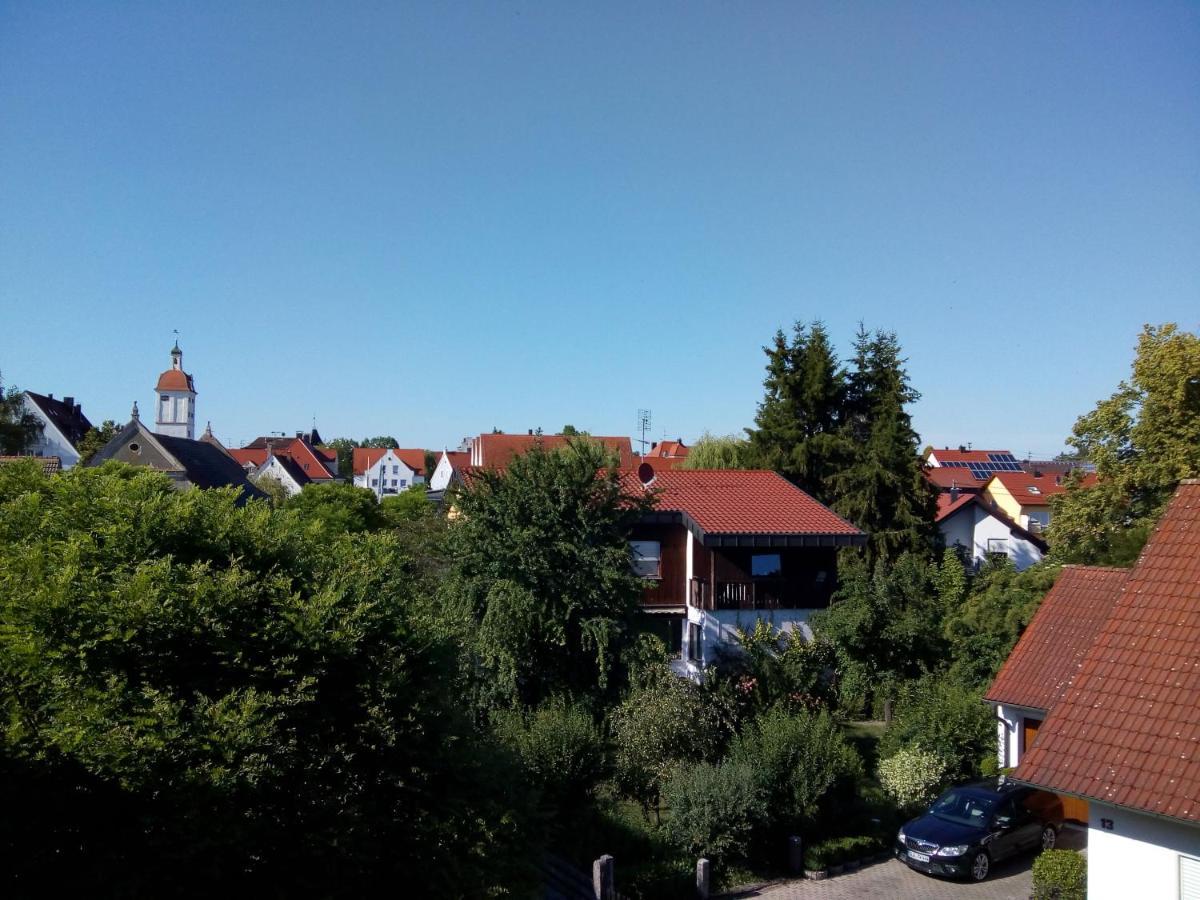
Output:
x,y
919,857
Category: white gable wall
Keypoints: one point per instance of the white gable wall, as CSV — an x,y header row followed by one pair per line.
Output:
x,y
51,441
1131,854
440,480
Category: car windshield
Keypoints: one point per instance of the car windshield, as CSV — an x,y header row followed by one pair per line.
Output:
x,y
964,808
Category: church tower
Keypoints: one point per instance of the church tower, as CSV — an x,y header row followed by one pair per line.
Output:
x,y
176,402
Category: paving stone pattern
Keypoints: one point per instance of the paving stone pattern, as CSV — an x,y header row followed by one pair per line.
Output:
x,y
1010,880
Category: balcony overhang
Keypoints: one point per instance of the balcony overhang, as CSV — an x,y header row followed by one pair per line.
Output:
x,y
752,538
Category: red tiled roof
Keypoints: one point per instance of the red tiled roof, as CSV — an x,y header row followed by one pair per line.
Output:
x,y
660,463
739,501
946,477
1062,631
458,459
947,455
253,455
948,506
1127,730
667,450
299,451
329,453
365,457
175,380
497,450
1033,490
51,465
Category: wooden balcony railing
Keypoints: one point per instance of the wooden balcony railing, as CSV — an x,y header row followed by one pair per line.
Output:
x,y
763,593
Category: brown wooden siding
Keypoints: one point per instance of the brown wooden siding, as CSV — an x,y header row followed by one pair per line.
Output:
x,y
669,589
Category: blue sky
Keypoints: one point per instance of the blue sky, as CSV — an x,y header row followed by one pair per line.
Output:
x,y
436,218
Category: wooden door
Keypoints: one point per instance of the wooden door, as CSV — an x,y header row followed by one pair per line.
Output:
x,y
1074,809
1028,733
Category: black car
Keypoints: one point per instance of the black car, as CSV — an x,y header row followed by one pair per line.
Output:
x,y
970,827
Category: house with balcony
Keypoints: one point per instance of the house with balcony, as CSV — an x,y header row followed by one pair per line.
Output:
x,y
725,549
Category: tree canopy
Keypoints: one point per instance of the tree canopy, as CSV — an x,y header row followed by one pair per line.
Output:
x,y
718,452
18,427
543,564
94,440
1143,440
197,695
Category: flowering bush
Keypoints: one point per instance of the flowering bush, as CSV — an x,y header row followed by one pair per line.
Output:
x,y
912,776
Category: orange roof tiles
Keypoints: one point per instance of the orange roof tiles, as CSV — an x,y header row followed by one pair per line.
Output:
x,y
668,450
1033,490
946,477
1127,730
51,465
175,380
1049,653
310,461
738,501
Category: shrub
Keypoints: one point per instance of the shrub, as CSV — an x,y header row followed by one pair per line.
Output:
x,y
798,758
835,852
911,776
662,722
714,809
559,746
1059,875
944,717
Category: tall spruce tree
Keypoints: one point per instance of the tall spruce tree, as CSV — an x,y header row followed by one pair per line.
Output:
x,y
881,488
798,423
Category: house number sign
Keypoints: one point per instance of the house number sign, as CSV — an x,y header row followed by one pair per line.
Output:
x,y
1106,824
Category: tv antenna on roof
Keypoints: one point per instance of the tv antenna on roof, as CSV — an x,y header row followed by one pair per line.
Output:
x,y
643,427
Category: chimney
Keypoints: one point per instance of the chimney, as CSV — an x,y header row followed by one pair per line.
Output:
x,y
953,491
49,396
70,401
962,448
531,432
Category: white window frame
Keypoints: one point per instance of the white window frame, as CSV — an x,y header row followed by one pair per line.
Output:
x,y
993,550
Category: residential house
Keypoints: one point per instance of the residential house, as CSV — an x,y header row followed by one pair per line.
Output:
x,y
1025,496
283,469
449,470
1047,658
980,464
495,451
977,527
62,426
1124,734
189,463
388,471
316,464
726,549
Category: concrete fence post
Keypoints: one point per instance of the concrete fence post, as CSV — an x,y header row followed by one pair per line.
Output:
x,y
795,854
603,885
703,878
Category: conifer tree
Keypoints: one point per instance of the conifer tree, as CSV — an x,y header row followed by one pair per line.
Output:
x,y
881,488
798,422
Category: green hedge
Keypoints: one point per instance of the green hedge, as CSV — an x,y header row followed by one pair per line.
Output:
x,y
837,851
1060,875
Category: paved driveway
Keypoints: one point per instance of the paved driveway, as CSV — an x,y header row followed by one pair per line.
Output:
x,y
1010,880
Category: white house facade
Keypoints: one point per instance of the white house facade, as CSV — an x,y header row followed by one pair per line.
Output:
x,y
984,532
389,474
283,470
1134,855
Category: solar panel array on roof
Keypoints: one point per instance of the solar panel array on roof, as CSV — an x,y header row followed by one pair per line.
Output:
x,y
1000,462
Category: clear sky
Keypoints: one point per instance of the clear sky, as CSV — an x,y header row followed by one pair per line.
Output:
x,y
435,218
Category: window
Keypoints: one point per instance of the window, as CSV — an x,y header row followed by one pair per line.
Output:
x,y
997,546
393,482
695,651
403,482
395,470
766,565
647,558
374,482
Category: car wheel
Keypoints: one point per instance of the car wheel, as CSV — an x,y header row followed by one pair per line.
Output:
x,y
1049,836
980,865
